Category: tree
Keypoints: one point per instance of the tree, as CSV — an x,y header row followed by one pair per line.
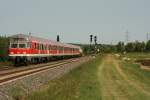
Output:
x,y
147,46
139,46
129,47
143,46
120,47
3,47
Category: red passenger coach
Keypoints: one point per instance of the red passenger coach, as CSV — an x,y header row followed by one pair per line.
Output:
x,y
26,48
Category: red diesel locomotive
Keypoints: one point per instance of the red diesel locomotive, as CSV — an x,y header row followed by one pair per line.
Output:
x,y
27,48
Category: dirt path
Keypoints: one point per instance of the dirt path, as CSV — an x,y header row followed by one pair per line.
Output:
x,y
116,84
136,84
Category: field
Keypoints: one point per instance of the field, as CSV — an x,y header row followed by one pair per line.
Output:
x,y
104,78
137,55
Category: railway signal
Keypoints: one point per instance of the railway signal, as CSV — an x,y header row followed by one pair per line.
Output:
x,y
91,39
58,39
95,39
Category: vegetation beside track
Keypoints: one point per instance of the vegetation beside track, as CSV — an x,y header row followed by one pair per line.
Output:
x,y
123,80
3,49
105,78
80,84
137,55
135,73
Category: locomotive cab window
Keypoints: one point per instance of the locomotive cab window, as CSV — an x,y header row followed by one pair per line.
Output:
x,y
14,45
22,45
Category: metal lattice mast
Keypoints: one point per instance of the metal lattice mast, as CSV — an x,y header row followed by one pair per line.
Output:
x,y
127,36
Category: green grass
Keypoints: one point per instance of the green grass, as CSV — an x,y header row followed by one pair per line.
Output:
x,y
137,55
80,84
17,93
130,67
123,80
136,73
104,78
6,63
141,78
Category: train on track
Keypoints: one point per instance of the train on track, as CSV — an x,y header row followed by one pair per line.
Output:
x,y
29,49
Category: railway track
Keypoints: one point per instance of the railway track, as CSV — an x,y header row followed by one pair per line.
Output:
x,y
5,68
9,70
10,75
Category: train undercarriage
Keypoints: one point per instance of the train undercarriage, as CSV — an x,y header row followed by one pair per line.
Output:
x,y
26,60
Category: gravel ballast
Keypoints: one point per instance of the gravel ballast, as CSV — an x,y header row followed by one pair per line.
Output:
x,y
24,86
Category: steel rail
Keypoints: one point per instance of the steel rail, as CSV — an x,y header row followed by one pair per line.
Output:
x,y
11,76
14,70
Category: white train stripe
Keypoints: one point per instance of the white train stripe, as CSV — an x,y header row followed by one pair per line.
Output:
x,y
35,55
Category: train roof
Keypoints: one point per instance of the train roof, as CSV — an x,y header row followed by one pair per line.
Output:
x,y
44,41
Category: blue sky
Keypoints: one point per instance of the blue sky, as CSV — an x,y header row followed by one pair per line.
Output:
x,y
75,20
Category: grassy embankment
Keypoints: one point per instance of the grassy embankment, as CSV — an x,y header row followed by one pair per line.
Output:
x,y
137,55
123,80
135,73
81,83
102,79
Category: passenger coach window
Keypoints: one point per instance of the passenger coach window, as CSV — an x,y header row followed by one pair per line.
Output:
x,y
14,45
22,46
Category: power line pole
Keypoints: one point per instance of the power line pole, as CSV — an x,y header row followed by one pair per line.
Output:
x,y
147,36
30,35
127,36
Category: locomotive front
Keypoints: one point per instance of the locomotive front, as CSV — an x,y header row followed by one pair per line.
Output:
x,y
19,48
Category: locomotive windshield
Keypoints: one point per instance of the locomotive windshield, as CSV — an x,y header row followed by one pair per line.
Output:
x,y
18,43
14,45
22,45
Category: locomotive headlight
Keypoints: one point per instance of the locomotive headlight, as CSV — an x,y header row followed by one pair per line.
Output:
x,y
27,39
11,52
24,52
80,50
